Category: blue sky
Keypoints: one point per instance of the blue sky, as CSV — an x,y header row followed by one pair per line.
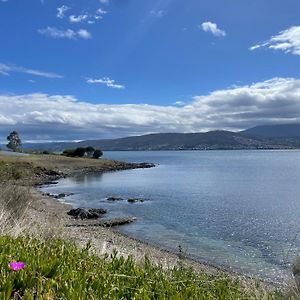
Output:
x,y
110,68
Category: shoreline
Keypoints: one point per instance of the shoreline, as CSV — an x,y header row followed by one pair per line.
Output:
x,y
50,217
107,239
47,217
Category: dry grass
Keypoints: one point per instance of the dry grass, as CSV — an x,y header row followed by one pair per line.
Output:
x,y
14,201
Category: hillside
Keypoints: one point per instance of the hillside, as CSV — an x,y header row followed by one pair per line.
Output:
x,y
286,136
181,141
274,131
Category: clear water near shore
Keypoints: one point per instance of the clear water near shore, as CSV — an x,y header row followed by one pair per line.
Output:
x,y
236,209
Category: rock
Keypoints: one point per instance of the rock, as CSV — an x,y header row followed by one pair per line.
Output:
x,y
46,183
116,221
135,200
63,195
114,199
52,173
58,196
87,213
106,223
145,165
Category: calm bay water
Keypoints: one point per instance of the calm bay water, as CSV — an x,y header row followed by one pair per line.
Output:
x,y
236,209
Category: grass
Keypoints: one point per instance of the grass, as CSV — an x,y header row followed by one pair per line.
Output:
x,y
56,269
35,168
14,200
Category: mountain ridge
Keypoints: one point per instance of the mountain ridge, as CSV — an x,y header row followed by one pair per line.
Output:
x,y
284,136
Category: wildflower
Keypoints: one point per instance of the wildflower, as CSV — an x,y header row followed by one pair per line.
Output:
x,y
16,266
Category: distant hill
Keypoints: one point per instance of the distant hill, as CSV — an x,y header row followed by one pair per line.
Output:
x,y
180,141
275,131
260,137
284,134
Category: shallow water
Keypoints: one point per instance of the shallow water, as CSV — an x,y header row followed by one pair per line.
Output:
x,y
237,209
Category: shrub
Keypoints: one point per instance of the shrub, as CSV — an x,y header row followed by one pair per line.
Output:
x,y
69,152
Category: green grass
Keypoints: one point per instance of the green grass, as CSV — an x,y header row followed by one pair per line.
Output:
x,y
56,269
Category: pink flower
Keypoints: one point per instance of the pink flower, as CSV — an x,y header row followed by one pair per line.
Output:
x,y
16,266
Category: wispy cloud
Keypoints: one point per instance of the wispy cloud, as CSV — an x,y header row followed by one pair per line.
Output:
x,y
61,11
104,1
287,40
77,19
54,32
6,69
212,28
179,103
157,13
106,81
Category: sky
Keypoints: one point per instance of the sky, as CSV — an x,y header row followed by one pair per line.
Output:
x,y
94,69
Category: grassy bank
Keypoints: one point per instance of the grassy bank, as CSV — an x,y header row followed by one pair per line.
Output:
x,y
58,270
34,169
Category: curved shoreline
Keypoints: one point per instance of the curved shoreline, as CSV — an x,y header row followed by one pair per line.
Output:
x,y
49,216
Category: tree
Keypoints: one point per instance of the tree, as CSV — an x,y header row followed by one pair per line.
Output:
x,y
97,154
79,152
14,141
89,151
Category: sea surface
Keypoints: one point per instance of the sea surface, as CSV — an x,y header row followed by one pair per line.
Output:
x,y
235,209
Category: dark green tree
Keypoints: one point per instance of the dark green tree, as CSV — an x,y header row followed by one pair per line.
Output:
x,y
97,154
89,151
14,141
79,152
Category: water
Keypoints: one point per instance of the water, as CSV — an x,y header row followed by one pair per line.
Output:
x,y
236,209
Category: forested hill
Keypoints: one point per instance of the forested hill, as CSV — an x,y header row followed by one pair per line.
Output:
x,y
260,137
181,141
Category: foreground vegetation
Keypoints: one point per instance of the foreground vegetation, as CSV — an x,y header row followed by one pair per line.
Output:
x,y
56,269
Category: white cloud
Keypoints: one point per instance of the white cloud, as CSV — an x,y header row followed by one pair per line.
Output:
x,y
77,19
287,40
104,1
157,13
213,28
65,34
84,34
272,101
106,81
179,103
61,11
100,11
7,69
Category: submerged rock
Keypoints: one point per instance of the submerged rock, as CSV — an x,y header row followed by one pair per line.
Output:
x,y
135,200
116,221
145,165
58,196
105,223
114,199
87,213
